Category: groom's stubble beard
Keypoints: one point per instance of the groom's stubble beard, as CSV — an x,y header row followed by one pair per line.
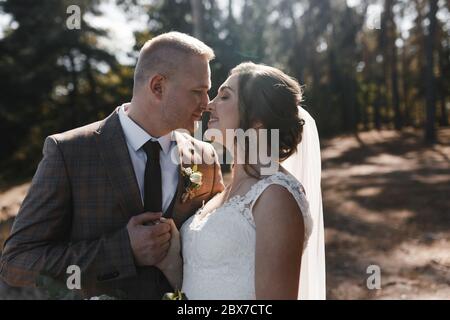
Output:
x,y
171,119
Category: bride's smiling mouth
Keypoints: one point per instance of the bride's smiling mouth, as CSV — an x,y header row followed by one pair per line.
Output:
x,y
213,119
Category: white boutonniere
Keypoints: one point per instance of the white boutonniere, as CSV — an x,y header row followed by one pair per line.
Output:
x,y
192,180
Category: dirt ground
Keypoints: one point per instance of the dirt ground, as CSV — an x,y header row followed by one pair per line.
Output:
x,y
386,203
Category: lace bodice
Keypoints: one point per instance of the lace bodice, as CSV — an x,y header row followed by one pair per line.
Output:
x,y
219,246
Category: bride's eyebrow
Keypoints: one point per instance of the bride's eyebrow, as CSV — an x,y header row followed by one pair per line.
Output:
x,y
225,87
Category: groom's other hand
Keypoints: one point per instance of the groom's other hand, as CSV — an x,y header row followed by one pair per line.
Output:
x,y
149,239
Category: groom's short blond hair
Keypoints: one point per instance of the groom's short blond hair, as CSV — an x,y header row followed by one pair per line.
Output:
x,y
164,54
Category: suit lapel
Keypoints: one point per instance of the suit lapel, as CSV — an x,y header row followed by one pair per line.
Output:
x,y
185,151
114,154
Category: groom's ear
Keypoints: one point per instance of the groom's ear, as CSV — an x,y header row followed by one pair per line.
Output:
x,y
156,85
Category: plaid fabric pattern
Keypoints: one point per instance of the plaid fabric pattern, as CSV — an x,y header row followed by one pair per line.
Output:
x,y
81,198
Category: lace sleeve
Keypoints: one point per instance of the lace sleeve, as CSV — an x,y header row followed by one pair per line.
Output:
x,y
293,186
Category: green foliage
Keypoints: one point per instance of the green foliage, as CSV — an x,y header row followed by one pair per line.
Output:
x,y
52,78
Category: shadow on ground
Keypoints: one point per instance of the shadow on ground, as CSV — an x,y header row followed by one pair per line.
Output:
x,y
386,203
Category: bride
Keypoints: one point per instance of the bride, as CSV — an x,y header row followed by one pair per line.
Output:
x,y
262,237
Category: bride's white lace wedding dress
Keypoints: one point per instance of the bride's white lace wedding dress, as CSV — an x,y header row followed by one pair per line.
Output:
x,y
219,247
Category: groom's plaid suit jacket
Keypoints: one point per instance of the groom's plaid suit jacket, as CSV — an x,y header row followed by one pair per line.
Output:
x,y
81,198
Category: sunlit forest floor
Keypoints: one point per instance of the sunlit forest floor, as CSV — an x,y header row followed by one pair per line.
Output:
x,y
386,203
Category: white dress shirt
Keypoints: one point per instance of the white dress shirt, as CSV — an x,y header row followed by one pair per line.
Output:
x,y
136,137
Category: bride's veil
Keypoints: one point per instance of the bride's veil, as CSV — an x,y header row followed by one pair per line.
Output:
x,y
305,165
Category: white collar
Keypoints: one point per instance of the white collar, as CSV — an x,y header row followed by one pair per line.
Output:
x,y
136,136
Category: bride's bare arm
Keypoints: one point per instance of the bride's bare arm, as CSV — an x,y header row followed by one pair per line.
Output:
x,y
279,244
172,264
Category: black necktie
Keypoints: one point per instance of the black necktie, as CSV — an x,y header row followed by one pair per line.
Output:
x,y
152,180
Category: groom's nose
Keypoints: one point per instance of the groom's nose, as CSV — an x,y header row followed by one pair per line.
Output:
x,y
205,102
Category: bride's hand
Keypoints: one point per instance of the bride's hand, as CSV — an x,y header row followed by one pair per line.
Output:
x,y
173,257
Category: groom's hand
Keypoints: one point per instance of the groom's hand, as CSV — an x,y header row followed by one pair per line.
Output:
x,y
149,239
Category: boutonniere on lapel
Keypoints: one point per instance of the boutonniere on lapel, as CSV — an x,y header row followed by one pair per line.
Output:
x,y
192,180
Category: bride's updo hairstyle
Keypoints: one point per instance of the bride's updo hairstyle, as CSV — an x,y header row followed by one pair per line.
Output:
x,y
268,98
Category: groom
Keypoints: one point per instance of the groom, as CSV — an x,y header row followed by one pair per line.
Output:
x,y
100,190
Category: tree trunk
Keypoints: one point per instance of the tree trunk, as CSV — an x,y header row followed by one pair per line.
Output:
x,y
394,81
443,60
197,18
406,106
377,108
364,111
294,59
430,126
444,114
384,51
93,108
367,79
73,121
230,10
421,57
391,61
